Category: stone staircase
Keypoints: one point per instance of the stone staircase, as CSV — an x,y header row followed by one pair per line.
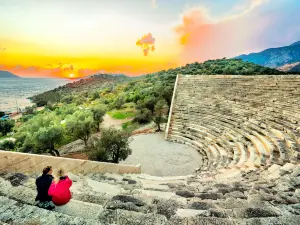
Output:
x,y
233,196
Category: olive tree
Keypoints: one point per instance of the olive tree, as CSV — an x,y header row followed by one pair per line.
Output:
x,y
46,138
112,146
160,113
98,113
80,125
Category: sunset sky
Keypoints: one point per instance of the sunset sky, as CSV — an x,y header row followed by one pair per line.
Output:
x,y
75,38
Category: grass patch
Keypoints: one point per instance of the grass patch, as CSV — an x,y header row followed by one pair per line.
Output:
x,y
122,114
130,126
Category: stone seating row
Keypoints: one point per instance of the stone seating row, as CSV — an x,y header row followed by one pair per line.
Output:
x,y
260,137
287,123
254,120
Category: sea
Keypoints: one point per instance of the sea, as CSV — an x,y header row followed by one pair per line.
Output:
x,y
14,93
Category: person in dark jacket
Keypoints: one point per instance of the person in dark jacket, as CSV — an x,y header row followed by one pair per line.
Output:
x,y
42,185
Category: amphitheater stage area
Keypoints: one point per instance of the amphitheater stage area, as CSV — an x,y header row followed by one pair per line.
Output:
x,y
162,158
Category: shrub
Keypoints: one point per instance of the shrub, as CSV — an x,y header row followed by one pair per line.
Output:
x,y
7,145
6,126
143,116
112,146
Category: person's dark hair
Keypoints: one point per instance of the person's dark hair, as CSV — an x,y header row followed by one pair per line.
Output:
x,y
46,170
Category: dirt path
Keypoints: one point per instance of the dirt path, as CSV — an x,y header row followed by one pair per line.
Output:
x,y
111,122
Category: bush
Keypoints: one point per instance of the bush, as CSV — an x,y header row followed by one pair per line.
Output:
x,y
7,145
143,116
112,146
6,126
25,118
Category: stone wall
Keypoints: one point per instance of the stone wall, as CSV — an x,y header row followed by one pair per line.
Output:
x,y
31,163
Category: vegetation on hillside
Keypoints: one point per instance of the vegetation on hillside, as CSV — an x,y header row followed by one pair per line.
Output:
x,y
78,90
60,125
75,111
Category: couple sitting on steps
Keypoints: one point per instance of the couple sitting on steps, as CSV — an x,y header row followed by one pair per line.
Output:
x,y
52,190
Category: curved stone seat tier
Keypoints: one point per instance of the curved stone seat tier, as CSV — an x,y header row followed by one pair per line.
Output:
x,y
264,153
238,121
256,123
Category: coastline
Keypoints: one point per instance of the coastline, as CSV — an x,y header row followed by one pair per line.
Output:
x,y
17,93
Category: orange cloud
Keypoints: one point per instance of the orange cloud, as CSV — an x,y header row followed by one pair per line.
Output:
x,y
146,43
203,38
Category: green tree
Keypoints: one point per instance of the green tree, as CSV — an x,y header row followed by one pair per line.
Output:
x,y
112,146
98,113
46,138
120,100
94,95
160,112
28,144
80,125
6,126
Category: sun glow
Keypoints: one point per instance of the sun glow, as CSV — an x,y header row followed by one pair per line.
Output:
x,y
71,75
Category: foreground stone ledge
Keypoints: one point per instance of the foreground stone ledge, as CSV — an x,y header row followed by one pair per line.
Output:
x,y
31,163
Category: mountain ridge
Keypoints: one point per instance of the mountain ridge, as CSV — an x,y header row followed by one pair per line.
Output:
x,y
274,57
296,43
6,74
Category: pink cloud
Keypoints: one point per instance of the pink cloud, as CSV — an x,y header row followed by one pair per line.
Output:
x,y
202,38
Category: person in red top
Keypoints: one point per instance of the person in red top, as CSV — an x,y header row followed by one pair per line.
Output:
x,y
60,189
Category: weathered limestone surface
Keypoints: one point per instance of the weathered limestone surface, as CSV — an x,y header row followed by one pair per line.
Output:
x,y
203,198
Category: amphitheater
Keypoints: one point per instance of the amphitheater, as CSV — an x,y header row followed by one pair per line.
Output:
x,y
247,129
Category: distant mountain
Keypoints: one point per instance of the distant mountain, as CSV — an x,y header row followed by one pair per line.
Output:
x,y
296,43
275,57
6,74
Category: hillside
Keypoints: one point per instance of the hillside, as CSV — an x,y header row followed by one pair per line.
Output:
x,y
275,57
91,87
6,74
82,87
222,66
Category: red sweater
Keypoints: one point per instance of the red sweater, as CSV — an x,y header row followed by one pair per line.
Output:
x,y
60,192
